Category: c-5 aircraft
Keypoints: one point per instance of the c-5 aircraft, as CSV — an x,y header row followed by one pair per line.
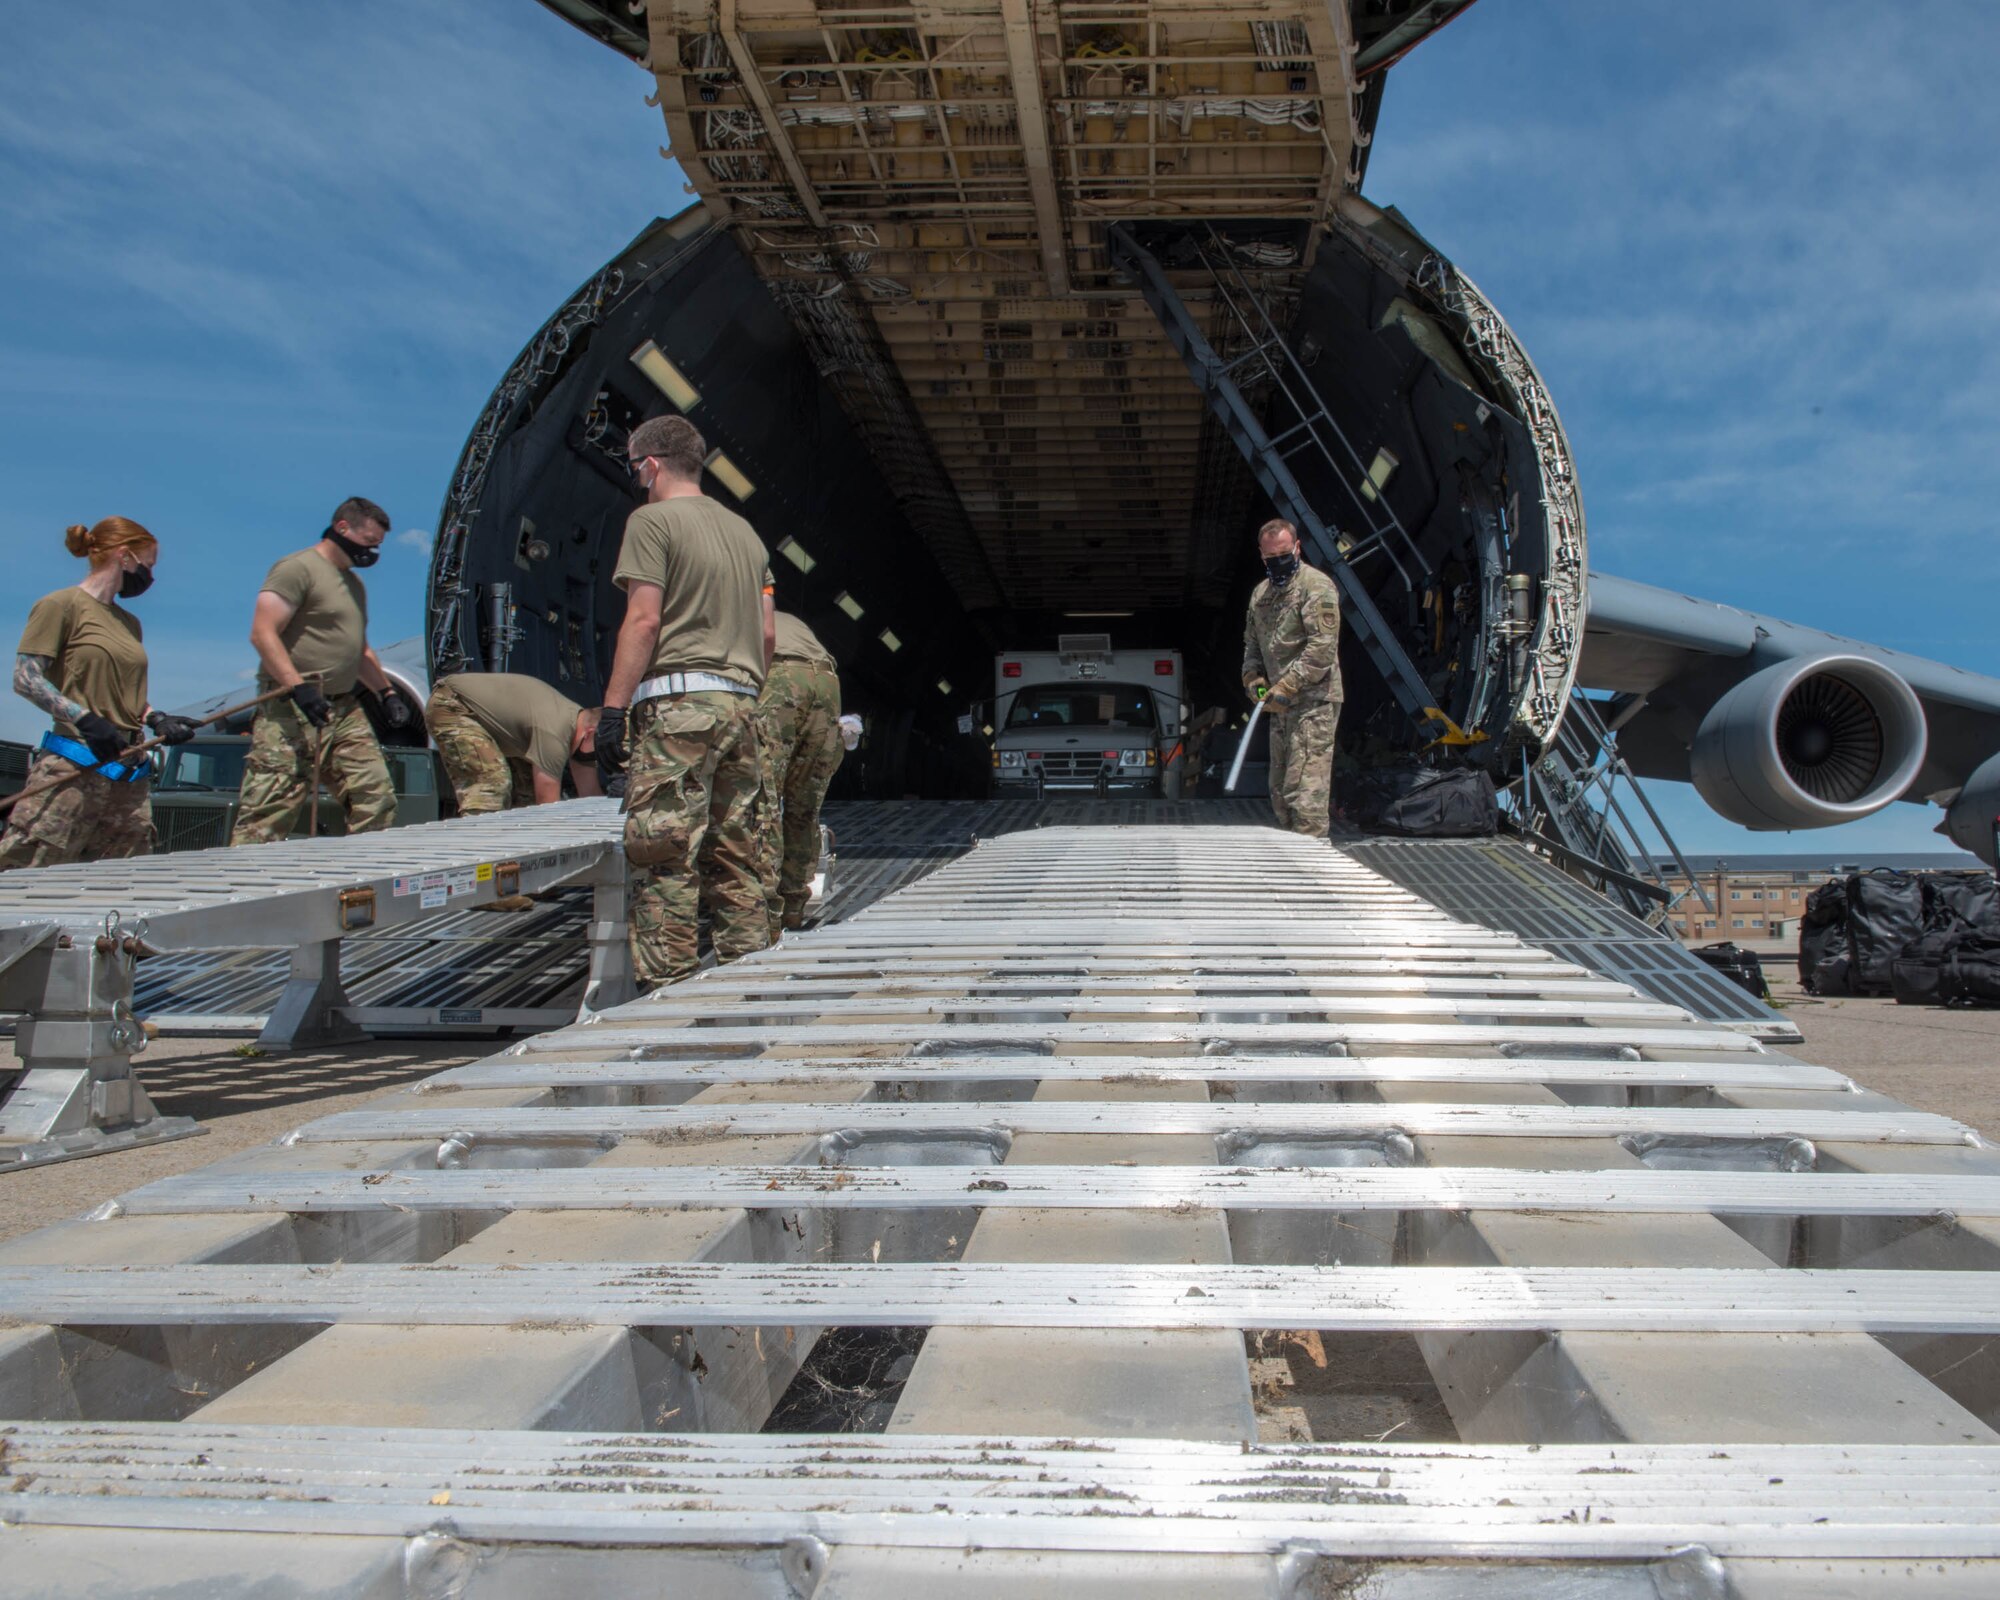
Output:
x,y
1004,319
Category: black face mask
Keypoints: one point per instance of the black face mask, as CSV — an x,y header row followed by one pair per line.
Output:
x,y
358,555
1281,569
135,583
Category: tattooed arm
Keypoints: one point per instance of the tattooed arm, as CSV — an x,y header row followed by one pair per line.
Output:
x,y
31,683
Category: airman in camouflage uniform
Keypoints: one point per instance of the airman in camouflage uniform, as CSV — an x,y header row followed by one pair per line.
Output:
x,y
508,738
692,654
82,660
798,723
310,631
1291,649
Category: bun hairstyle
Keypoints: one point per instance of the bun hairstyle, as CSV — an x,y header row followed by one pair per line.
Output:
x,y
101,542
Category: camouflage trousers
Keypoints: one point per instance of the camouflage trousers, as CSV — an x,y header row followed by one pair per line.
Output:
x,y
87,818
690,831
798,727
483,778
278,773
1302,767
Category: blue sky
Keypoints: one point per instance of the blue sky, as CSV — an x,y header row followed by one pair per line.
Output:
x,y
267,256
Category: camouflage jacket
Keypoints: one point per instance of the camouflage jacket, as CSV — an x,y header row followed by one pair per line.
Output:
x,y
1292,636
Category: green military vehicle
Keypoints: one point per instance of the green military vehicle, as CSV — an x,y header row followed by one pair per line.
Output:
x,y
195,791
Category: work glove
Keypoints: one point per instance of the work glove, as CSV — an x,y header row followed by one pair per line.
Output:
x,y
1254,686
1279,698
610,745
169,729
313,706
396,710
106,739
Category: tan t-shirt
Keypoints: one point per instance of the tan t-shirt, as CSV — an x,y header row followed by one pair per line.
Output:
x,y
529,720
95,655
797,642
329,626
712,571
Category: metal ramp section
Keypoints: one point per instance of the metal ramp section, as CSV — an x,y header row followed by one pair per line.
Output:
x,y
1499,884
458,970
884,844
472,970
71,938
1085,1130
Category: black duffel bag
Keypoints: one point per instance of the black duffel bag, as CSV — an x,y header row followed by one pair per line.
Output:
x,y
1955,899
1914,975
1425,803
1739,966
1885,914
1969,974
1823,940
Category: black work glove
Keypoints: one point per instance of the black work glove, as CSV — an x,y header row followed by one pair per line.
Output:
x,y
313,706
106,739
397,712
169,729
610,744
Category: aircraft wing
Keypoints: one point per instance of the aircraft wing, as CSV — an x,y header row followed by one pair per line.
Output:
x,y
1780,726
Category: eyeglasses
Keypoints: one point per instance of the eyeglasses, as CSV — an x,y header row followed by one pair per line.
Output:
x,y
633,464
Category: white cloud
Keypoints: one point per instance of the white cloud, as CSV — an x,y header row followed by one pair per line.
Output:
x,y
417,539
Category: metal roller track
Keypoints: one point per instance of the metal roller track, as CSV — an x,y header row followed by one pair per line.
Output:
x,y
612,1032
985,1187
786,961
1140,1496
1216,1007
1895,1125
1001,1295
638,1071
972,985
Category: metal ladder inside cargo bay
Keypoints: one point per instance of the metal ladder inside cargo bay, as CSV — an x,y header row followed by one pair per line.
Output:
x,y
1269,358
1567,803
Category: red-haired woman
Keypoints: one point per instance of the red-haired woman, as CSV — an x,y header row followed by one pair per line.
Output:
x,y
81,660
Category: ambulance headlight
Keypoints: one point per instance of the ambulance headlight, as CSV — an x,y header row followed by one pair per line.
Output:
x,y
1006,759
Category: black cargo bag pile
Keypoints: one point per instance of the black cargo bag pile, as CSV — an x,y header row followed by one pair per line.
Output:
x,y
1416,802
1930,938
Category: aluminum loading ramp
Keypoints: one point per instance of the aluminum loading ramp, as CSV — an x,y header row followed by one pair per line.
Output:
x,y
473,972
1699,1319
72,937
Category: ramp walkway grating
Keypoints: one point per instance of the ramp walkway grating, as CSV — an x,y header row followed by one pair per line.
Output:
x,y
1692,1312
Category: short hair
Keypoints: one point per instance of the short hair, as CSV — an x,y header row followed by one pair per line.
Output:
x,y
355,509
1277,525
676,441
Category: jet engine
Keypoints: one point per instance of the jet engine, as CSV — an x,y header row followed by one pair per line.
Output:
x,y
1810,742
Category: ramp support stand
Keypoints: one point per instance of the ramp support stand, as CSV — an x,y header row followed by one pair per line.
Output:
x,y
76,1094
311,1008
609,982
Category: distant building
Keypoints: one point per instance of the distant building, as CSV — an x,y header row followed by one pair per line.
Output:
x,y
1758,899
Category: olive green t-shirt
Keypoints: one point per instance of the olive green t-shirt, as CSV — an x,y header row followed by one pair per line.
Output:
x,y
329,626
95,655
712,572
529,720
797,642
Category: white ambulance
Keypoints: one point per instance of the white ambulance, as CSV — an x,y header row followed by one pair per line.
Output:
x,y
1087,719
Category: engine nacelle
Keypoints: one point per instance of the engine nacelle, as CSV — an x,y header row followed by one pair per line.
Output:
x,y
1968,821
1810,743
